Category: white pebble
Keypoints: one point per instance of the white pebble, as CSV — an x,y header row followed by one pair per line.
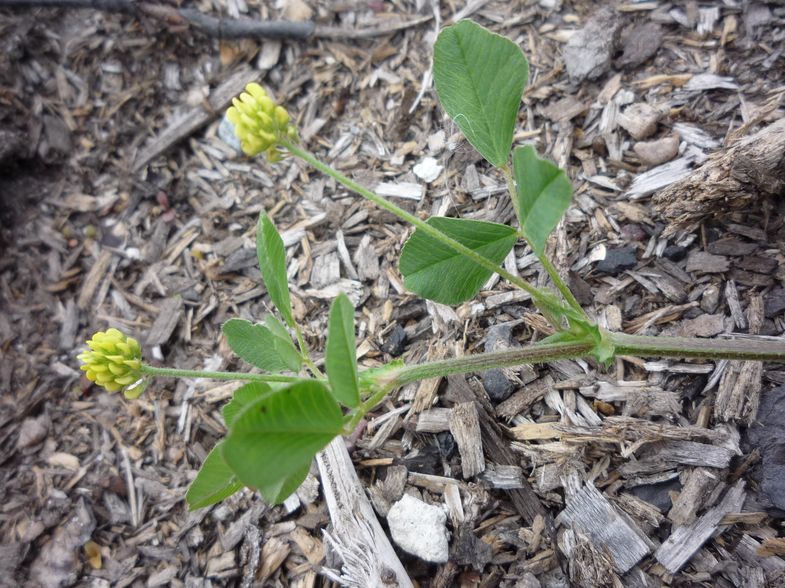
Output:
x,y
419,529
428,169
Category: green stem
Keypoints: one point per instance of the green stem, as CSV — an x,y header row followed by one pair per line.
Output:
x,y
536,294
542,353
561,286
461,365
693,348
305,353
546,263
359,413
175,373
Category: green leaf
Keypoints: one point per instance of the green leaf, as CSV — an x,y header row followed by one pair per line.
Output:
x,y
479,78
283,343
214,482
277,328
277,435
543,194
272,262
243,396
439,273
260,347
341,354
279,491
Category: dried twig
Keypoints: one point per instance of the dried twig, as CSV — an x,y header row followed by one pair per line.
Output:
x,y
222,28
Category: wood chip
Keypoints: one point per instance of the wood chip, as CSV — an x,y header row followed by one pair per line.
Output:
x,y
610,530
465,428
685,541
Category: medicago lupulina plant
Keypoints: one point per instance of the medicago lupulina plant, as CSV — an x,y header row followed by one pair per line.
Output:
x,y
285,414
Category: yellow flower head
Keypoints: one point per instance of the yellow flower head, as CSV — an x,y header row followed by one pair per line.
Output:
x,y
259,123
114,361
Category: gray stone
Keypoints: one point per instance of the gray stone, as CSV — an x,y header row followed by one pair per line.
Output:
x,y
419,529
656,152
498,337
587,54
617,260
640,45
497,385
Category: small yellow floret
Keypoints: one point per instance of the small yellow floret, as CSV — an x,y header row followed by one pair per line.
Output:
x,y
114,360
259,123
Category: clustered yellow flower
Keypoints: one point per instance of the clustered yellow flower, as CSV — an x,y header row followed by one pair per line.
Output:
x,y
114,361
259,123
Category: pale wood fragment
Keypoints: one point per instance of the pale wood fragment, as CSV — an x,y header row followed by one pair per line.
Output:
x,y
522,400
368,557
434,420
640,398
166,321
533,431
93,279
699,485
465,427
739,390
503,476
611,531
748,549
732,179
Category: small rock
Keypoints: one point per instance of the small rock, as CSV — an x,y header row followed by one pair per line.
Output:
x,y
710,298
395,342
419,529
640,120
617,260
427,170
497,385
498,337
33,431
653,153
640,45
437,141
587,54
675,252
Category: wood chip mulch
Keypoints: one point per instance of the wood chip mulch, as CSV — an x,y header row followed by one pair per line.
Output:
x,y
123,205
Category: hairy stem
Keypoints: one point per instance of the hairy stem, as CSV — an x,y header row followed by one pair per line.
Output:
x,y
175,373
305,353
693,348
542,353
